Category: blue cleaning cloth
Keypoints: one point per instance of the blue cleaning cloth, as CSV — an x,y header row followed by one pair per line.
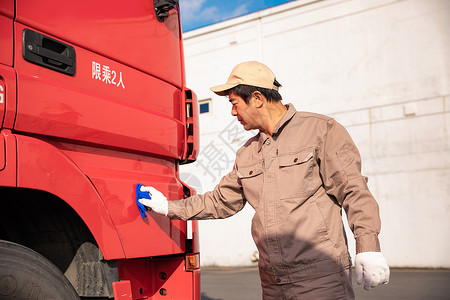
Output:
x,y
139,195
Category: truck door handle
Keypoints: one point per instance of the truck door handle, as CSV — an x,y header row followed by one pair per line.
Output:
x,y
47,52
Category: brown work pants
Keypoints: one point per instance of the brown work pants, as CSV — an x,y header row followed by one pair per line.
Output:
x,y
335,286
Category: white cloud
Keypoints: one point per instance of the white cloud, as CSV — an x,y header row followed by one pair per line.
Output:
x,y
190,9
197,11
239,11
210,14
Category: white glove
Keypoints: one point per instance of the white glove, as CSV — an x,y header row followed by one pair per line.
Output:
x,y
158,203
372,269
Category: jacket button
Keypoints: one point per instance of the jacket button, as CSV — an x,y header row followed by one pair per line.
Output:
x,y
278,280
250,173
296,160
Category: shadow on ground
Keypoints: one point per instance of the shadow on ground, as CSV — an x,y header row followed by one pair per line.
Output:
x,y
411,284
205,297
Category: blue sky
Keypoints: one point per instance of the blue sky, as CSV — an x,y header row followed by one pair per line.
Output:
x,y
199,13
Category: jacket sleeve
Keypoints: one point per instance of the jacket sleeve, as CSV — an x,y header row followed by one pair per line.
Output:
x,y
224,201
340,167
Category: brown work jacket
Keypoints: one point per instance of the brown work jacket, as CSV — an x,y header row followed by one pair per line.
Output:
x,y
297,181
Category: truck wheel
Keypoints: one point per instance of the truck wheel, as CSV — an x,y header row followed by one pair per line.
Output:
x,y
25,274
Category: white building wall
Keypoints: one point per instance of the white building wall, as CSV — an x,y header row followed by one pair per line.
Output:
x,y
382,69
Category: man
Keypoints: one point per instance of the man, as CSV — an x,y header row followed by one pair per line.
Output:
x,y
298,172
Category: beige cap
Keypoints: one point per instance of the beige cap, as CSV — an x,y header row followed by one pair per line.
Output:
x,y
250,73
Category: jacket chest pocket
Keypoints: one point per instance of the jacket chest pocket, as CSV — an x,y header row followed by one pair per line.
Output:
x,y
295,174
252,181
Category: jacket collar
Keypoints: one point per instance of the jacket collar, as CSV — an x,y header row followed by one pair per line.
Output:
x,y
277,129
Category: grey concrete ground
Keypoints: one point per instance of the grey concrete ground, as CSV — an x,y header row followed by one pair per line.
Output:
x,y
243,283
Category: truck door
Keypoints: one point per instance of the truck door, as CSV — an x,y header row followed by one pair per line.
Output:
x,y
102,82
78,83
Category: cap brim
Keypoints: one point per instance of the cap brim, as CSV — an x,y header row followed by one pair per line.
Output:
x,y
222,89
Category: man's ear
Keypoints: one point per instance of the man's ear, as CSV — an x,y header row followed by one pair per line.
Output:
x,y
258,99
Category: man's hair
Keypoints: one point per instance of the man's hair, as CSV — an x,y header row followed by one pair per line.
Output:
x,y
245,92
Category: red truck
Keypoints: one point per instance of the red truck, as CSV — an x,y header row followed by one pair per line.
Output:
x,y
92,102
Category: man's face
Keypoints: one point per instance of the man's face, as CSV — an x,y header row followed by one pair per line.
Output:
x,y
245,113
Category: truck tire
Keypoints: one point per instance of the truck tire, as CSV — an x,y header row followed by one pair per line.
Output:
x,y
25,274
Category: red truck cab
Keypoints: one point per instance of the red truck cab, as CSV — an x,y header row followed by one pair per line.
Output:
x,y
92,102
